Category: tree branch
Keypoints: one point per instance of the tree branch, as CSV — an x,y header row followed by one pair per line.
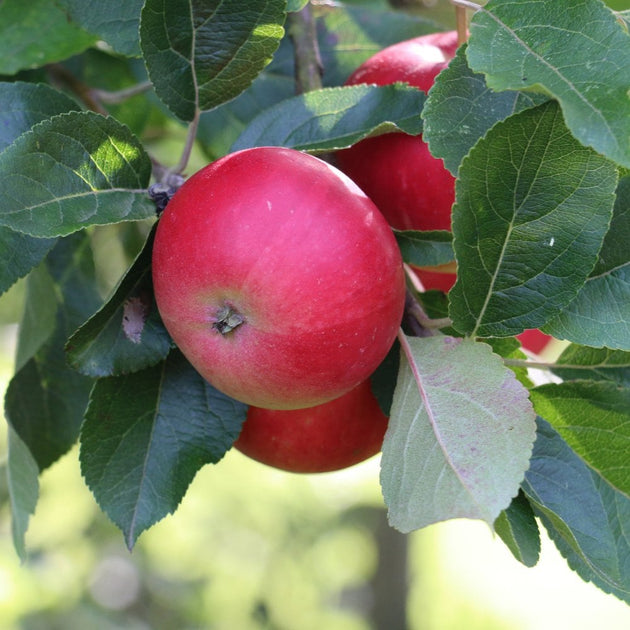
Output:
x,y
308,64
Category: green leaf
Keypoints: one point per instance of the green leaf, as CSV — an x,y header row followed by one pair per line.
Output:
x,y
23,105
518,529
45,400
35,33
22,477
114,21
126,334
422,249
532,208
335,118
576,51
461,108
296,5
460,434
200,54
597,364
145,437
588,520
72,171
20,254
600,314
594,419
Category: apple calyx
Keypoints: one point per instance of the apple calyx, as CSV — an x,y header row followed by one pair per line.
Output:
x,y
228,318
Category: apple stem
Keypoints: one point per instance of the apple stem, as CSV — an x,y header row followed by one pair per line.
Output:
x,y
228,319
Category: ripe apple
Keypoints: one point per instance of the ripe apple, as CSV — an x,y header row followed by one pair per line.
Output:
x,y
278,278
330,436
411,188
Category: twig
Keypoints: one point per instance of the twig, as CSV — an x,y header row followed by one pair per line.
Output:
x,y
190,141
120,96
308,63
473,6
62,76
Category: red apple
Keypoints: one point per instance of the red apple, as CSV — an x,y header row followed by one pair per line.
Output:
x,y
534,340
278,278
330,436
411,188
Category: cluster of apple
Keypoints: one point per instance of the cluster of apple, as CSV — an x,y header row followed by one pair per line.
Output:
x,y
279,278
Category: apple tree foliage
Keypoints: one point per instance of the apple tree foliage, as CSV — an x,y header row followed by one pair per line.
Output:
x,y
532,116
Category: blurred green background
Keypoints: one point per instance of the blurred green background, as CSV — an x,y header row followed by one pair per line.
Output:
x,y
255,548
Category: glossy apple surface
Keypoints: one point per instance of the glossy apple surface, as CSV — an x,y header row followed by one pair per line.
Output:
x,y
327,437
411,188
277,277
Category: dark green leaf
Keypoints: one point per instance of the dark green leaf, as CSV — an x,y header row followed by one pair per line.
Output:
x,y
461,108
600,314
147,434
424,249
384,378
22,479
115,21
596,364
576,51
587,519
35,33
594,420
20,253
533,207
453,447
335,118
518,529
202,53
126,334
23,105
46,399
72,171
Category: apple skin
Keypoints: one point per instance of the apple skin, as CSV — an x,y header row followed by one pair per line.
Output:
x,y
411,188
327,437
289,250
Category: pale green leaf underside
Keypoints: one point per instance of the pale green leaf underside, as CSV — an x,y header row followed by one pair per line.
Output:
x,y
576,51
454,446
22,479
72,171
